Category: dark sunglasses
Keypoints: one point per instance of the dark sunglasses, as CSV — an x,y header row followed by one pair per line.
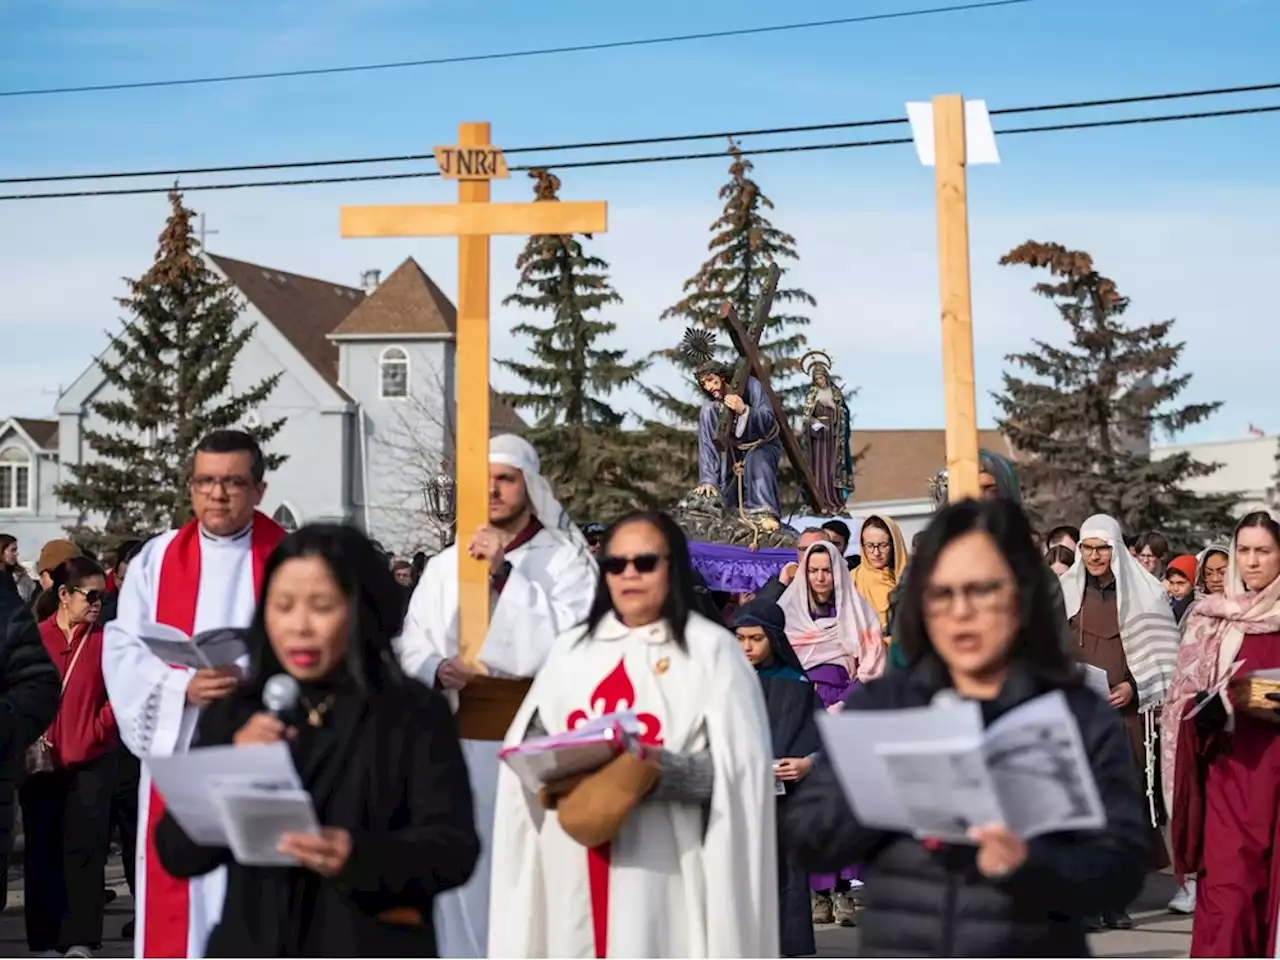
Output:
x,y
90,596
644,563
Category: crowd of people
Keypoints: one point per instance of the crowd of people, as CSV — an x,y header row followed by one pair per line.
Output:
x,y
723,832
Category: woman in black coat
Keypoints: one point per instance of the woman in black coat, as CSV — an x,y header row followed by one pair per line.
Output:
x,y
979,621
792,704
378,753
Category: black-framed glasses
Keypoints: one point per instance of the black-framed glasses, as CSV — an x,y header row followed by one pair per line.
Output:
x,y
90,596
1089,550
982,595
643,562
206,484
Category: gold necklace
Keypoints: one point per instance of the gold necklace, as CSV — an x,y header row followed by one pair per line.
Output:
x,y
316,714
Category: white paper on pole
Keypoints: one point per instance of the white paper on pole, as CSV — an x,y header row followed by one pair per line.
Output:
x,y
979,138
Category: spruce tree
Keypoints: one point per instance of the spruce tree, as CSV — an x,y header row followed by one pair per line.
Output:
x,y
744,244
597,467
169,374
1085,417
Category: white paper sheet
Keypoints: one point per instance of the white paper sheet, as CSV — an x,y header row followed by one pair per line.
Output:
x,y
257,816
188,783
1095,678
206,650
935,772
855,740
1040,770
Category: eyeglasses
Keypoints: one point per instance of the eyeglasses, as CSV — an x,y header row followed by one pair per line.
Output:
x,y
983,595
232,485
644,563
90,596
1091,551
877,547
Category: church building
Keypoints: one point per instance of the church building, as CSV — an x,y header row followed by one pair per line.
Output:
x,y
366,388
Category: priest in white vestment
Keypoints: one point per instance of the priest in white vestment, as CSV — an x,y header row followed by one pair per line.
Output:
x,y
201,577
668,852
542,578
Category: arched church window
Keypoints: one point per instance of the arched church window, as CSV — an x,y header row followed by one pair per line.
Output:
x,y
393,369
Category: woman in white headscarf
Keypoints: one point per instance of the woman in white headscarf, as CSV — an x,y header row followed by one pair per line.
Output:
x,y
1121,623
836,634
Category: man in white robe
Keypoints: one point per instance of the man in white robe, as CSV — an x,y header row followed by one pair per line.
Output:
x,y
543,579
204,576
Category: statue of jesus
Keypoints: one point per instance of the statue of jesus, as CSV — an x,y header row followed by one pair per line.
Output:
x,y
746,475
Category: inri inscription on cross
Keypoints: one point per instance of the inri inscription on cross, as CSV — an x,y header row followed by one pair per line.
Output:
x,y
473,162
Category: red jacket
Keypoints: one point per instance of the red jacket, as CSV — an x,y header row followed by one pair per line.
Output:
x,y
85,726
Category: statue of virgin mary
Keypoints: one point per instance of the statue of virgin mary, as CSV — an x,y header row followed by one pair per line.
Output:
x,y
826,432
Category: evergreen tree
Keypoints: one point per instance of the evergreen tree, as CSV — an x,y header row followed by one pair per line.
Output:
x,y
744,244
1088,411
598,468
169,372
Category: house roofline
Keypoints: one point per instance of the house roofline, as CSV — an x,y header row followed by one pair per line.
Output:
x,y
12,423
341,337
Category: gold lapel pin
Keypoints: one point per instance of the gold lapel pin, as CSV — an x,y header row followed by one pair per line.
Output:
x,y
662,666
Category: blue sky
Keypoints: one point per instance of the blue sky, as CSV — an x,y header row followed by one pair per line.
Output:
x,y
1183,216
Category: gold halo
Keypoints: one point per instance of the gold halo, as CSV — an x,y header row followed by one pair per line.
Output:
x,y
807,367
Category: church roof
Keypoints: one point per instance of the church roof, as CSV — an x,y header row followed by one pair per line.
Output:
x,y
898,464
43,432
305,310
308,311
407,302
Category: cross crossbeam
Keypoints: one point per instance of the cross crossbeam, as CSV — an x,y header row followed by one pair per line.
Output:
x,y
473,162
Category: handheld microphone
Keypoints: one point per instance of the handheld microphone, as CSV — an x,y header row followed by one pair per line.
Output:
x,y
280,694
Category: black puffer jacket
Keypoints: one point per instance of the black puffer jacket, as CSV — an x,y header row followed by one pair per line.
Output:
x,y
924,902
29,692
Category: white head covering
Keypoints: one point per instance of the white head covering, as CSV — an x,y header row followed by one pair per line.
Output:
x,y
1147,628
513,451
852,638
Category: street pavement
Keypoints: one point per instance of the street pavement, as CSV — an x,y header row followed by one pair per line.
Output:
x,y
1156,933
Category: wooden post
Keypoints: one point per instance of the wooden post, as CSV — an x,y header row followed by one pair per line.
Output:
x,y
473,220
957,317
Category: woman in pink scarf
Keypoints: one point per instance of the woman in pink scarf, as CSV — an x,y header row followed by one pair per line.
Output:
x,y
835,632
1221,768
836,635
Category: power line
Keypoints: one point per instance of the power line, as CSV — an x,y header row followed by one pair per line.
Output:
x,y
645,141
633,161
512,54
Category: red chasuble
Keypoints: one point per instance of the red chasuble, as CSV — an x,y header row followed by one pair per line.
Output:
x,y
168,904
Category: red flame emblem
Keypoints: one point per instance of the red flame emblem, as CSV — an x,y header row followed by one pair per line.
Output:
x,y
613,694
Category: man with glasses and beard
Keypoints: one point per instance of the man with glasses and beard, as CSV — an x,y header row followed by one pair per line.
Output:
x,y
201,577
542,580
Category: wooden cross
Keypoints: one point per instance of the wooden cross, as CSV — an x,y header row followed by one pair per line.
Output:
x,y
473,220
951,189
746,343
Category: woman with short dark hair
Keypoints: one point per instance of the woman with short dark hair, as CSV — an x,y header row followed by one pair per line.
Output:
x,y
978,620
378,752
66,799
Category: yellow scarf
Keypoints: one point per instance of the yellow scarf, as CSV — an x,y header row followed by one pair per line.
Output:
x,y
876,585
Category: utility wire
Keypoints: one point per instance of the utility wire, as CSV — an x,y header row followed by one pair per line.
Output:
x,y
644,141
512,54
632,161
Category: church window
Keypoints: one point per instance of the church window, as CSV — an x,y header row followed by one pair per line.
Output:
x,y
15,479
285,516
394,374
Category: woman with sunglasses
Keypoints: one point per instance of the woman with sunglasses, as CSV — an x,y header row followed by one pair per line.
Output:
x,y
66,800
669,850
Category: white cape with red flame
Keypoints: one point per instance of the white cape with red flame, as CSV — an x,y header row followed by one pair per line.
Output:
x,y
680,880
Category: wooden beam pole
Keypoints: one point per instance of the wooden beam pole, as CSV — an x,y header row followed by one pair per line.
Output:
x,y
472,428
957,318
480,219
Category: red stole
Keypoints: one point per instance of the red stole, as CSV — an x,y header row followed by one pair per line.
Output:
x,y
519,540
168,899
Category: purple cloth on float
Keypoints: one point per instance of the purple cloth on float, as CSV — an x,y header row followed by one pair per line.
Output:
x,y
737,569
832,682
